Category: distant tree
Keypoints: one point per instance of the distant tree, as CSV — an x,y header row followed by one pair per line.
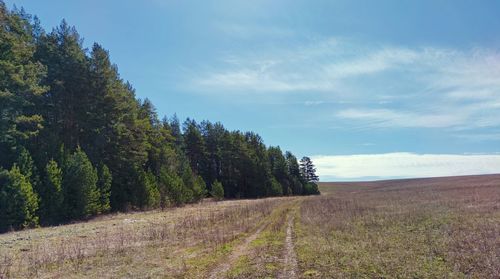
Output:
x,y
176,192
104,186
217,190
279,169
293,170
194,146
51,194
199,188
18,201
146,195
307,170
311,188
65,110
81,196
28,168
20,88
275,188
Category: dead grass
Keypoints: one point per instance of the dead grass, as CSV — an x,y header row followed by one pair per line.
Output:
x,y
182,242
426,228
264,258
431,228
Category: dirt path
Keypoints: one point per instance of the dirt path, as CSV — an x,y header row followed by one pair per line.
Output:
x,y
290,258
240,250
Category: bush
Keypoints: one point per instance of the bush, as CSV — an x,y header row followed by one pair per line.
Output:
x,y
217,191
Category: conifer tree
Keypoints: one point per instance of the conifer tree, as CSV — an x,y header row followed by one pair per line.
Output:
x,y
104,186
18,201
81,196
64,110
147,195
51,194
20,76
307,170
217,190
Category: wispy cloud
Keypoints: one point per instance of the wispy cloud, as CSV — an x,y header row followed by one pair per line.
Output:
x,y
313,103
408,165
249,31
391,118
429,87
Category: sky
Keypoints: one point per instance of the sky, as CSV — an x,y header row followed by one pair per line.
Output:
x,y
367,89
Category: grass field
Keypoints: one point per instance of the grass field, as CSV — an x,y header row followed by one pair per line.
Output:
x,y
422,228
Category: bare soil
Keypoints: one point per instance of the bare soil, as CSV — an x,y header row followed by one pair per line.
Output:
x,y
290,270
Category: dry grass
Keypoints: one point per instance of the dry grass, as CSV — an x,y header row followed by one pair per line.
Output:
x,y
182,242
427,228
265,256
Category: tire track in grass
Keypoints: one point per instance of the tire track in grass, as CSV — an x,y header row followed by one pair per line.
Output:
x,y
290,257
242,249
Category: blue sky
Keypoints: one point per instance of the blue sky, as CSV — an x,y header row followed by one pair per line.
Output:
x,y
369,89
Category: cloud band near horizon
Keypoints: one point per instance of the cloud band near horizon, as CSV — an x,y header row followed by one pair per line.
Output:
x,y
403,165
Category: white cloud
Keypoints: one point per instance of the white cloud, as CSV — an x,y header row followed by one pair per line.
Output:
x,y
371,63
391,118
429,87
248,31
313,103
479,137
408,165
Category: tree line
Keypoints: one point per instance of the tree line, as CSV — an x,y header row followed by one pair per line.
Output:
x,y
75,141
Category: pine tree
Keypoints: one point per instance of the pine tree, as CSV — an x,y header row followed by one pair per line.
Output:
x,y
177,193
279,169
81,196
104,186
20,76
56,97
307,170
199,188
217,191
148,195
18,201
51,194
275,188
194,146
293,170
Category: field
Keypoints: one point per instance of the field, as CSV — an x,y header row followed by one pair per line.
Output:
x,y
421,228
